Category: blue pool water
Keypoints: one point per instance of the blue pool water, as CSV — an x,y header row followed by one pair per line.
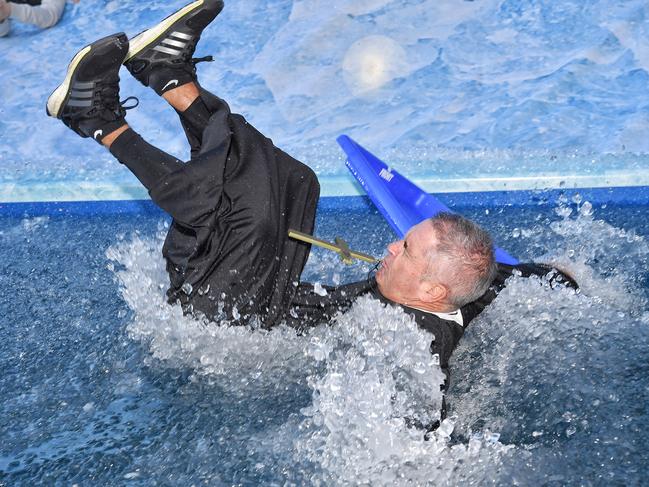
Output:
x,y
105,384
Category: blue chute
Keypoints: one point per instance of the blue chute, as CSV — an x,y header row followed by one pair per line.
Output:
x,y
401,202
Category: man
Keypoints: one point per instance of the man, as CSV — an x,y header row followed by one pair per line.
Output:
x,y
42,13
227,251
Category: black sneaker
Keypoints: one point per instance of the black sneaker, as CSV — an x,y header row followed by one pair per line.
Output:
x,y
161,57
88,99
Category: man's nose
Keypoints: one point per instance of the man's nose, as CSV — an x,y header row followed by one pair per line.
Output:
x,y
393,248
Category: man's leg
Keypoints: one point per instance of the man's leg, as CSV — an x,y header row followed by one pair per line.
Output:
x,y
194,114
234,202
88,102
148,163
161,58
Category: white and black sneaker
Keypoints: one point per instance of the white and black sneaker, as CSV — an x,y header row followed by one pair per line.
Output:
x,y
88,99
161,57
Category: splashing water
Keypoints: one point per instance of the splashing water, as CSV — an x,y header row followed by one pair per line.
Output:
x,y
369,374
232,353
560,372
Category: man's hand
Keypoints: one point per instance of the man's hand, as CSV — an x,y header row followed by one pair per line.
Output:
x,y
5,10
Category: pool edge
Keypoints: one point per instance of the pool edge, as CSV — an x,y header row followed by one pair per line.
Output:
x,y
627,195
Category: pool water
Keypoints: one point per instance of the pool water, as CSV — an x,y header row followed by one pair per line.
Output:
x,y
105,384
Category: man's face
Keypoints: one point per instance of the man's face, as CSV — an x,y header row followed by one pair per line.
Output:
x,y
399,277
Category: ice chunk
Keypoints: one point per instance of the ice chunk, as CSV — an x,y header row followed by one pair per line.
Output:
x,y
319,290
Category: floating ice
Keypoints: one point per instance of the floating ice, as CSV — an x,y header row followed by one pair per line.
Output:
x,y
30,224
528,371
319,290
187,288
544,384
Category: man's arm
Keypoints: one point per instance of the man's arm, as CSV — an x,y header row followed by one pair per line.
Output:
x,y
44,15
5,10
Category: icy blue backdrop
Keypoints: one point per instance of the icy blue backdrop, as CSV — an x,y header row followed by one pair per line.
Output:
x,y
460,94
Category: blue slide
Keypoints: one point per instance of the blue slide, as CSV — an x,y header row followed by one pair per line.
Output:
x,y
401,202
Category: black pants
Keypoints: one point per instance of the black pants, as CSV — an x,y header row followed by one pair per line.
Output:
x,y
227,251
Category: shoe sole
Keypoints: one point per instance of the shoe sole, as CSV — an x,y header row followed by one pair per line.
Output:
x,y
142,41
61,94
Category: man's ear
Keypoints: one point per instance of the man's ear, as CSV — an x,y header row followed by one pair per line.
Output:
x,y
433,293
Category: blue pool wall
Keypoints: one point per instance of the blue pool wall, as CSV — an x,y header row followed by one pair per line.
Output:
x,y
624,196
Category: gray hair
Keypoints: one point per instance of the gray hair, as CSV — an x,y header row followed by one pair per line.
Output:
x,y
463,259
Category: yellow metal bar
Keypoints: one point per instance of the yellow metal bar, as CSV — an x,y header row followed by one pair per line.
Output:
x,y
342,249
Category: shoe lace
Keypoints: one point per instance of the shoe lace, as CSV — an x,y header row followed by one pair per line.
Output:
x,y
124,107
106,103
197,60
106,95
192,62
186,58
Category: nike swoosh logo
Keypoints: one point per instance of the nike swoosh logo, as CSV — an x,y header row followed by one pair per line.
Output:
x,y
98,133
173,82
